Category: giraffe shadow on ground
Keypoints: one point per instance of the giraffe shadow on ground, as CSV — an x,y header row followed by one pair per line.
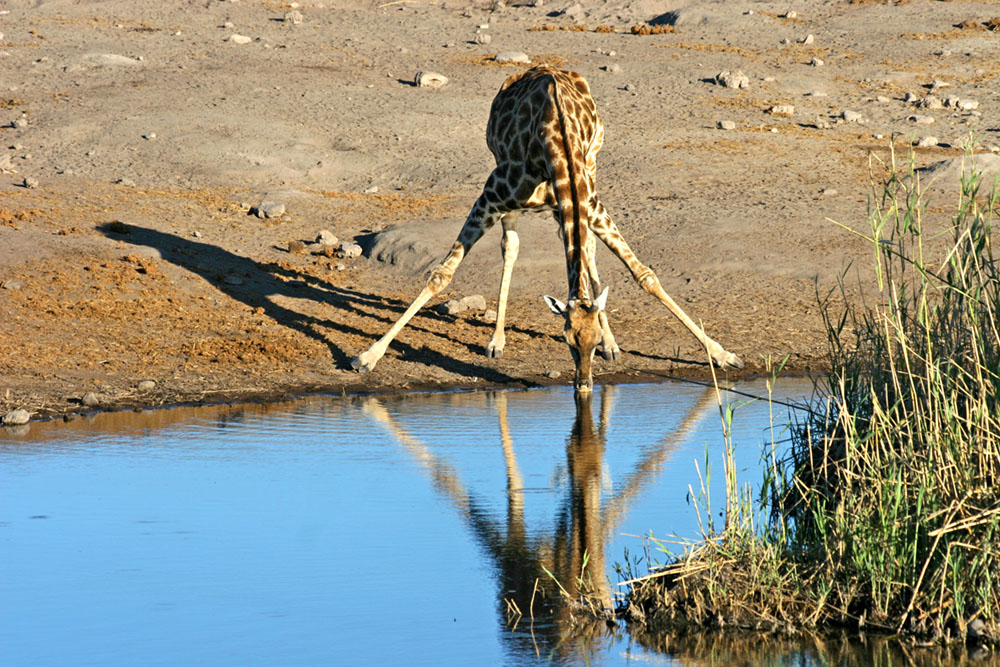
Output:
x,y
260,282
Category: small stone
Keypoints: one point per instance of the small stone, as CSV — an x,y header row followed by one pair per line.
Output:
x,y
938,83
808,39
228,25
30,182
483,38
90,399
851,116
19,123
882,99
789,15
512,57
146,385
725,125
430,80
127,182
816,93
734,79
816,62
239,39
474,302
293,17
786,41
16,417
269,209
930,102
296,247
968,105
196,234
326,237
613,68
910,97
976,628
489,316
349,250
231,279
927,142
783,110
921,120
371,190
552,375
119,227
574,11
828,192
11,284
150,136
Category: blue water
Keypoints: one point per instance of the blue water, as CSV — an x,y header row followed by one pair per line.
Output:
x,y
387,530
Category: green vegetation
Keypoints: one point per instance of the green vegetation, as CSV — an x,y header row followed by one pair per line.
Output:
x,y
884,513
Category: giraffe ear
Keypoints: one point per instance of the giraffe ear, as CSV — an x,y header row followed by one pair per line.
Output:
x,y
555,305
601,300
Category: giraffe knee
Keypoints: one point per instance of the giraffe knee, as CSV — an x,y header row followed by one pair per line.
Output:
x,y
439,279
648,280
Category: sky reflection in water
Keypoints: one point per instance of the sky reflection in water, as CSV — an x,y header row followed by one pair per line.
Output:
x,y
332,531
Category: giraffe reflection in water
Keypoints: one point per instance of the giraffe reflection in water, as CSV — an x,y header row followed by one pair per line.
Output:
x,y
575,551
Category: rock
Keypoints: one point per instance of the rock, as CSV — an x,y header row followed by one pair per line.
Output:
x,y
11,284
512,57
30,182
483,38
613,68
782,110
976,628
269,209
816,62
489,316
725,125
574,11
921,120
910,97
828,192
938,83
816,93
296,247
90,399
430,80
326,237
196,234
146,385
474,302
552,375
930,102
119,227
231,279
946,175
927,142
239,39
127,182
294,17
882,99
808,39
349,250
788,15
968,105
851,116
16,417
19,123
734,79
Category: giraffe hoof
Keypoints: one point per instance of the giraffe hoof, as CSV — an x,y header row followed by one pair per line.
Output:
x,y
494,352
729,362
612,354
360,365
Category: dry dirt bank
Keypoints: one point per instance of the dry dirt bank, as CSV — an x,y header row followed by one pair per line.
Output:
x,y
148,135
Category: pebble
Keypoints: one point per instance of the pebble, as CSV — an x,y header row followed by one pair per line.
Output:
x,y
882,99
789,15
239,39
828,192
475,302
921,120
489,316
613,68
786,110
938,83
127,182
196,234
574,11
11,284
349,250
150,136
927,142
19,123
910,97
230,279
294,17
371,190
430,79
930,102
296,247
816,62
16,417
808,39
30,182
851,116
732,79
552,375
483,38
146,385
512,57
270,209
90,399
326,237
816,93
968,105
725,125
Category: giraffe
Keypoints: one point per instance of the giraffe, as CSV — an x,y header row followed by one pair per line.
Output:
x,y
544,132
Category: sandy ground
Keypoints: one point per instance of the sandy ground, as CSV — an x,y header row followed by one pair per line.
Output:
x,y
148,136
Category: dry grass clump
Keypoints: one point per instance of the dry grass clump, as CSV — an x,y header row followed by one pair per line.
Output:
x,y
884,513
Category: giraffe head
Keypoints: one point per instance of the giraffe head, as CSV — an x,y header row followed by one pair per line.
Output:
x,y
583,334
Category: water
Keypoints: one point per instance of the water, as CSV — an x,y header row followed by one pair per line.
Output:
x,y
389,530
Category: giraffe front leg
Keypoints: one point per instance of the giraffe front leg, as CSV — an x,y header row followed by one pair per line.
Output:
x,y
608,232
509,246
609,348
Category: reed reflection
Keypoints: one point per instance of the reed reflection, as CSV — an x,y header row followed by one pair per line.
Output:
x,y
543,620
